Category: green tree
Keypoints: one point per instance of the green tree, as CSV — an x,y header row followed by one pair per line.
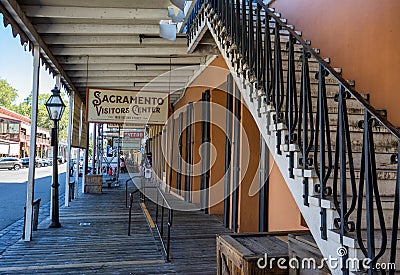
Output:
x,y
25,108
8,94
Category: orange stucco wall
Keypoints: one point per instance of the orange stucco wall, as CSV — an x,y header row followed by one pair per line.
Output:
x,y
361,36
283,214
211,78
249,162
217,154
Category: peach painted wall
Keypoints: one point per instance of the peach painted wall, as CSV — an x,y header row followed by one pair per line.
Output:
x,y
215,76
283,213
361,36
249,161
217,172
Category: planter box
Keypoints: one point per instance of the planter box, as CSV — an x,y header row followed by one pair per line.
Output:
x,y
241,254
302,247
93,184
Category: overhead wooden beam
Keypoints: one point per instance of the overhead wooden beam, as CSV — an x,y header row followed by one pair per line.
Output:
x,y
91,29
128,67
131,84
128,73
148,4
94,13
112,40
130,60
117,51
161,79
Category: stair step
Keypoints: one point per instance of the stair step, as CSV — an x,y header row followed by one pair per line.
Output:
x,y
350,240
386,202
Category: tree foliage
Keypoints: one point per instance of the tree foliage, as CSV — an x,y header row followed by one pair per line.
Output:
x,y
8,95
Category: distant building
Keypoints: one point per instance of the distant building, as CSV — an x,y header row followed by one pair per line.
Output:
x,y
15,136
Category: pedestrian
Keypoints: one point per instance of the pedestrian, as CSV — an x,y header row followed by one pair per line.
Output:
x,y
122,166
147,172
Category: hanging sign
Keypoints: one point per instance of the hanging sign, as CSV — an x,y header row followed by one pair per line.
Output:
x,y
124,126
118,106
134,134
79,134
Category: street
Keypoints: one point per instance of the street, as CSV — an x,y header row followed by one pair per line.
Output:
x,y
13,191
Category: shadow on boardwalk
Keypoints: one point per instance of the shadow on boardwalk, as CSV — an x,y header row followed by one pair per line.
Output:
x,y
93,239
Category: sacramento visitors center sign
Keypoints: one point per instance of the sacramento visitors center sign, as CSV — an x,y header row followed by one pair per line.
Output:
x,y
121,106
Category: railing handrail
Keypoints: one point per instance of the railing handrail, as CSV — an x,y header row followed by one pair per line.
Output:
x,y
390,127
167,205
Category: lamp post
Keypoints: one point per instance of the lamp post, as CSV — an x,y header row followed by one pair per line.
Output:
x,y
55,107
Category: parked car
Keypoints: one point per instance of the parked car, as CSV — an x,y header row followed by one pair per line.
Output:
x,y
50,160
10,163
25,162
46,162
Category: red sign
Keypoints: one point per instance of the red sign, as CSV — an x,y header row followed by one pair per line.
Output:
x,y
134,134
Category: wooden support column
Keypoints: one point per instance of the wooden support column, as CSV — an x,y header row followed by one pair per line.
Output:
x,y
236,160
69,142
94,145
30,190
85,165
179,155
165,151
205,162
264,186
171,151
78,158
228,151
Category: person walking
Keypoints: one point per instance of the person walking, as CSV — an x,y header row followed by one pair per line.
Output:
x,y
122,166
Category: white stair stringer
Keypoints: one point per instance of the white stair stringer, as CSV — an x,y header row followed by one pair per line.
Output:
x,y
310,213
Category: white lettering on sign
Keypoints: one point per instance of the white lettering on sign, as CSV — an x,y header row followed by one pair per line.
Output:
x,y
134,134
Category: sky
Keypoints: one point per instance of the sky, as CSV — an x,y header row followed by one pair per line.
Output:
x,y
16,65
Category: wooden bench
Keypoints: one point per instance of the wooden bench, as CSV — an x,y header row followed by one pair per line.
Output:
x,y
241,254
35,216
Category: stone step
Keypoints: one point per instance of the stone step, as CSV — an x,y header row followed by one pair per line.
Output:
x,y
386,187
350,241
387,204
384,142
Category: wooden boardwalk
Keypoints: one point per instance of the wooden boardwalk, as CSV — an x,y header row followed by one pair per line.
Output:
x,y
93,239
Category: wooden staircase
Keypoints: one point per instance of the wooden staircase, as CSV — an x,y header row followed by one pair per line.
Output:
x,y
348,188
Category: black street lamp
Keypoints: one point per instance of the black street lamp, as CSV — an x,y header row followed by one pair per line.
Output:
x,y
55,107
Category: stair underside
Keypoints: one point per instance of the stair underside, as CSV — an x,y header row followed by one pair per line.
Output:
x,y
384,147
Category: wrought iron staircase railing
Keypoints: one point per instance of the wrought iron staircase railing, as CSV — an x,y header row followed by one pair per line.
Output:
x,y
251,35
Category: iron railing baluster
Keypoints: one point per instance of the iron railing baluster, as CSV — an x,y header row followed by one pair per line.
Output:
x,y
305,121
278,90
396,210
322,145
259,58
237,27
244,32
368,179
251,45
291,108
268,64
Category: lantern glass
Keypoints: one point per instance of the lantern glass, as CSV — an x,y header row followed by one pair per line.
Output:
x,y
55,106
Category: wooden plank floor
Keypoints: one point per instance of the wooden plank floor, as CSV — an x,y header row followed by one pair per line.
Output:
x,y
93,239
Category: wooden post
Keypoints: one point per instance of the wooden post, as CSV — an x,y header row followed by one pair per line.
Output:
x,y
94,145
30,190
85,164
69,147
78,159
